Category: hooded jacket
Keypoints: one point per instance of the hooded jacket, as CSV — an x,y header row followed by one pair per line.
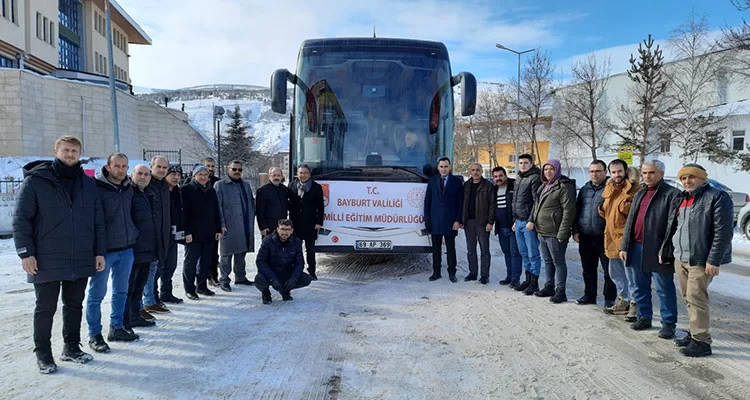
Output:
x,y
117,203
162,213
65,233
526,189
200,212
615,209
555,209
145,219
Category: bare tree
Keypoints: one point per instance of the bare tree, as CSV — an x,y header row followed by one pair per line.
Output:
x,y
738,41
466,151
492,113
582,110
649,107
691,88
536,93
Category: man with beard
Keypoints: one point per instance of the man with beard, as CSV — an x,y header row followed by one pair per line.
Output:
x,y
504,226
59,234
478,216
116,193
527,186
280,263
306,213
273,200
237,212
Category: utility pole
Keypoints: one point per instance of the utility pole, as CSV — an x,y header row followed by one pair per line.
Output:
x,y
518,95
111,66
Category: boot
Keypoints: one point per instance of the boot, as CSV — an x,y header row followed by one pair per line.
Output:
x,y
632,312
121,335
72,352
525,283
98,344
559,296
547,291
696,349
286,296
533,285
266,296
621,307
45,362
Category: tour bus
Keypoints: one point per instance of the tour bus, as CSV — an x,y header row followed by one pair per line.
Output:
x,y
370,117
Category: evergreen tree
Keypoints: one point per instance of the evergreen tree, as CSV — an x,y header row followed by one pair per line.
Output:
x,y
236,143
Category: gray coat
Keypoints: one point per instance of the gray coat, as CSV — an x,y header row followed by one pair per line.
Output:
x,y
231,215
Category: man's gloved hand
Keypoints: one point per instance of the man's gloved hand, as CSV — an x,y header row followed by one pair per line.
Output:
x,y
290,284
276,284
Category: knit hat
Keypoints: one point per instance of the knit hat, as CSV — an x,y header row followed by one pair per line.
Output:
x,y
199,169
174,168
694,170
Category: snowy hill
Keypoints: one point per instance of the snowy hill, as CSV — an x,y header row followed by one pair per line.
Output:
x,y
271,130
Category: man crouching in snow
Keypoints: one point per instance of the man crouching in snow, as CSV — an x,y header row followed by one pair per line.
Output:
x,y
280,263
59,234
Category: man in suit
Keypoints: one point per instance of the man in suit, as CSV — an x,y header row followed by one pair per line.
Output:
x,y
443,203
306,212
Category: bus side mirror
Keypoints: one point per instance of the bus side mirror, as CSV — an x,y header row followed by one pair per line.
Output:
x,y
468,92
279,78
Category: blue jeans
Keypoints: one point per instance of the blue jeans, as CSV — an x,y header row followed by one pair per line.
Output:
x,y
119,263
148,292
509,245
664,288
528,246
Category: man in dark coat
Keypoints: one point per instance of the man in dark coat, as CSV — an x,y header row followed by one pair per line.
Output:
x,y
307,213
237,212
176,234
213,278
116,193
478,216
699,239
273,200
443,204
202,229
159,189
588,232
59,233
280,263
644,234
504,226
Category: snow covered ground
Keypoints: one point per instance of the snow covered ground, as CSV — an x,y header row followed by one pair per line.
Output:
x,y
375,328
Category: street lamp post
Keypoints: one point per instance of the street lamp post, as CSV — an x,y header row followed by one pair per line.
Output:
x,y
218,115
518,94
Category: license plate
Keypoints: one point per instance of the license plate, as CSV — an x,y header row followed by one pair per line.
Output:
x,y
373,245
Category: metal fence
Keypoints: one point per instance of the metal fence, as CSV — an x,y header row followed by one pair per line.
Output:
x,y
173,156
10,186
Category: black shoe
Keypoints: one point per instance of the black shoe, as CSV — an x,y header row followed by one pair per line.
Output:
x,y
98,344
484,280
559,297
514,285
586,300
72,352
312,275
225,287
682,342
435,277
129,330
525,284
244,282
205,292
286,296
171,299
609,303
213,282
696,349
45,362
505,281
631,319
121,335
141,323
641,324
547,291
470,277
667,331
192,296
452,278
266,296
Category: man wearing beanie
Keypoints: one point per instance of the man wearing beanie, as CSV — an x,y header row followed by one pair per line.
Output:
x,y
645,231
699,241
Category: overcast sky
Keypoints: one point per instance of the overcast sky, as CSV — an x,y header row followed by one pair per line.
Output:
x,y
197,42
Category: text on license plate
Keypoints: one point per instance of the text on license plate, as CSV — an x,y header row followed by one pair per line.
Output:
x,y
373,244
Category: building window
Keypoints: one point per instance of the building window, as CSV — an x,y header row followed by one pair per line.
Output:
x,y
67,54
13,11
51,33
738,140
6,62
5,11
665,142
722,86
39,26
68,13
45,35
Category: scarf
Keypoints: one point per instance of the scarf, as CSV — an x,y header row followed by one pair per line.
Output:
x,y
303,188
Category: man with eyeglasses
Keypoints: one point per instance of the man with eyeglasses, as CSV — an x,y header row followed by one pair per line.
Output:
x,y
237,213
280,263
588,232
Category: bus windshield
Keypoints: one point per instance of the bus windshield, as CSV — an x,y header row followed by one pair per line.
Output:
x,y
372,107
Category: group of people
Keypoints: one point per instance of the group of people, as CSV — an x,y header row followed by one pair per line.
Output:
x,y
73,231
638,232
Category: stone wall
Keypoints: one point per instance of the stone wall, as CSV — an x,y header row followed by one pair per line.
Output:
x,y
35,110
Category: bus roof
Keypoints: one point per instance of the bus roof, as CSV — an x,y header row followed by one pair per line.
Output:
x,y
365,42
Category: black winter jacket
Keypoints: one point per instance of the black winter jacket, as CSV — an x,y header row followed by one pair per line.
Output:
x,y
64,234
144,217
273,204
526,189
588,220
711,225
280,261
176,210
201,212
160,189
118,217
307,211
